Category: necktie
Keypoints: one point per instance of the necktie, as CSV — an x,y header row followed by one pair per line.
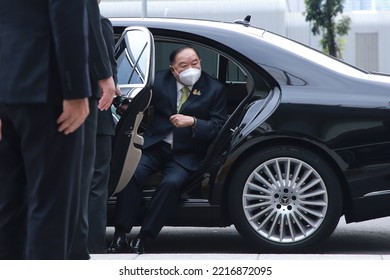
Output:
x,y
185,91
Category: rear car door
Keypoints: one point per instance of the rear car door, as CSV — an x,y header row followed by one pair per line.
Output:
x,y
134,53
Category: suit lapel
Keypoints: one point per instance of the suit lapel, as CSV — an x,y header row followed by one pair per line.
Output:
x,y
171,91
195,93
189,101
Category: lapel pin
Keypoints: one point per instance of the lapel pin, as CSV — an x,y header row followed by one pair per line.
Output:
x,y
196,92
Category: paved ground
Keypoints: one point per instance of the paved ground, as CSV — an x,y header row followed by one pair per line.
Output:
x,y
237,257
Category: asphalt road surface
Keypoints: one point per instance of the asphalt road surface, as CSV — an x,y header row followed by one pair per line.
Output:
x,y
366,238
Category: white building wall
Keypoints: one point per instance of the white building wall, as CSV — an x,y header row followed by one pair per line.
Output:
x,y
371,22
268,14
284,17
299,30
362,22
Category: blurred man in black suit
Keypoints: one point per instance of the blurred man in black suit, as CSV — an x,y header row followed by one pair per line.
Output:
x,y
97,213
44,94
103,91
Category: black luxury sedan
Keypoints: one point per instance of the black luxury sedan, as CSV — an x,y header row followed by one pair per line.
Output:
x,y
307,140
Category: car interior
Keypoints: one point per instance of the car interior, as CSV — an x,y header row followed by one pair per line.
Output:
x,y
213,63
218,66
238,85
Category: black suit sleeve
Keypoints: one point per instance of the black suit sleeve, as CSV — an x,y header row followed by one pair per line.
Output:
x,y
108,34
99,63
72,57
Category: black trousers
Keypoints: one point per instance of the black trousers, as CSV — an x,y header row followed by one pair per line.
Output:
x,y
80,245
39,183
97,213
155,158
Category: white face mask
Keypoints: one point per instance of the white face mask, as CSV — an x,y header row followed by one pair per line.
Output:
x,y
190,76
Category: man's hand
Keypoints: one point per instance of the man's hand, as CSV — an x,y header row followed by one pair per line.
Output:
x,y
118,91
75,111
107,87
180,120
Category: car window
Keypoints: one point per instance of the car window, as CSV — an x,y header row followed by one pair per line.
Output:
x,y
215,64
210,62
163,50
125,69
234,74
132,59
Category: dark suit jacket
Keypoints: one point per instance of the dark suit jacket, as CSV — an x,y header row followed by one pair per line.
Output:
x,y
34,48
207,102
105,124
99,62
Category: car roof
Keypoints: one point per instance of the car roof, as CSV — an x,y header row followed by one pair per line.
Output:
x,y
245,37
172,22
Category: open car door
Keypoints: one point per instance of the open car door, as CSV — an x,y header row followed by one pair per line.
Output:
x,y
134,53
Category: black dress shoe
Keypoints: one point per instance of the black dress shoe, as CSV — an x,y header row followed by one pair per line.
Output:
x,y
137,246
118,246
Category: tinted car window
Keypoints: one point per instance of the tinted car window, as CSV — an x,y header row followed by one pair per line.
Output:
x,y
132,64
235,74
210,61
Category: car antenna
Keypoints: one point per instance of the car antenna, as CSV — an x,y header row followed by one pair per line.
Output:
x,y
245,22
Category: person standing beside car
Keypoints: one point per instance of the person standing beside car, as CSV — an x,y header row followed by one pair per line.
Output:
x,y
189,110
103,91
97,205
43,103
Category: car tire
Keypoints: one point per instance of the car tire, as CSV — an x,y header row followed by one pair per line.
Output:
x,y
280,213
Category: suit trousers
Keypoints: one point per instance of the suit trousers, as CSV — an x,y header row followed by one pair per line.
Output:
x,y
129,201
80,245
40,183
97,213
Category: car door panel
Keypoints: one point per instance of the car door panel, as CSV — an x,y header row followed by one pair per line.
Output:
x,y
135,58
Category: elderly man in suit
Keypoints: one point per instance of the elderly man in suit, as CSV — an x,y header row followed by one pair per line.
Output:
x,y
189,110
44,94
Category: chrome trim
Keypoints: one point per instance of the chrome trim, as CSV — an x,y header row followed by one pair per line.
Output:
x,y
377,193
